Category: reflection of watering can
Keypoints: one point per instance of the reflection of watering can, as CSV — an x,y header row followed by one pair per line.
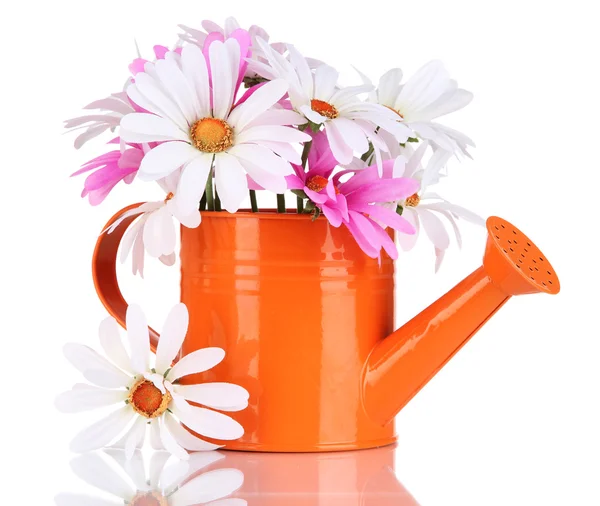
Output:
x,y
307,321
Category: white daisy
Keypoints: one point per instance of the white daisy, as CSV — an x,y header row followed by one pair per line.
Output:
x,y
422,208
154,231
427,95
151,394
350,123
195,128
169,482
116,106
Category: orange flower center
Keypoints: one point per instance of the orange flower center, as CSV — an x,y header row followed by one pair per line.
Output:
x,y
316,183
212,135
147,400
169,196
149,499
412,201
324,108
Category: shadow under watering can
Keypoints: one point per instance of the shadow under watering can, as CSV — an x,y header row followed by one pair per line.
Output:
x,y
307,322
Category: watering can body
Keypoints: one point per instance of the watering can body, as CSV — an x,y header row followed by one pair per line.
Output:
x,y
307,323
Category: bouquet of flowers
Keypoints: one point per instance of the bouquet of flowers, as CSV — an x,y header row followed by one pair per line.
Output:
x,y
227,113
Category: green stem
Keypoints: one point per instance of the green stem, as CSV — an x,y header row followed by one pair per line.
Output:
x,y
253,202
217,201
280,203
203,203
305,151
210,203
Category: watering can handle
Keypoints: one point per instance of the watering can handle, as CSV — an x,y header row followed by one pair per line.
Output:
x,y
104,270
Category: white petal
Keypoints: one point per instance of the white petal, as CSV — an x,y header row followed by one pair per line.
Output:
x,y
326,78
215,395
169,442
281,117
263,157
303,71
389,87
158,460
313,116
262,99
352,134
156,100
341,151
285,151
185,438
196,362
94,470
155,441
138,434
209,423
159,233
407,242
107,379
135,436
139,339
85,358
149,128
222,80
194,67
83,399
171,337
266,179
103,432
175,83
208,487
192,183
110,340
165,159
231,181
435,230
272,134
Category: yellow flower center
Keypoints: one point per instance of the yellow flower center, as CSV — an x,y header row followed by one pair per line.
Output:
x,y
212,135
169,196
147,400
149,499
316,183
324,108
412,201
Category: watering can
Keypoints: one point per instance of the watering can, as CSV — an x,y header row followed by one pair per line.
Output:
x,y
307,322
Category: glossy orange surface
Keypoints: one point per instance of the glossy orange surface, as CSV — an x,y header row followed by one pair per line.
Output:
x,y
304,317
354,478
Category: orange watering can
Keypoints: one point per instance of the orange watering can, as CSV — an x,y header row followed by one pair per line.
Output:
x,y
307,322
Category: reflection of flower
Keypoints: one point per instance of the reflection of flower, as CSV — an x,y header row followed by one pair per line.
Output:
x,y
151,393
168,484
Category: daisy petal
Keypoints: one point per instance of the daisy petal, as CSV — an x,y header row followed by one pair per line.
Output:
x,y
209,423
192,183
94,470
159,233
171,338
262,99
222,79
155,100
165,159
435,230
107,379
185,438
110,340
85,359
135,437
139,339
208,487
341,151
155,441
103,432
169,442
215,395
151,128
196,362
86,397
231,181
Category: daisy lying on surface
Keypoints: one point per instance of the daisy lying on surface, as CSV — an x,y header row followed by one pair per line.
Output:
x,y
185,122
149,392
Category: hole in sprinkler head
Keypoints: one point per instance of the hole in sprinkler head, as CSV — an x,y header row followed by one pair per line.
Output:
x,y
520,260
502,225
542,259
512,250
518,266
525,250
549,273
496,227
514,232
549,281
531,269
522,255
544,284
528,244
536,269
534,261
504,250
497,237
532,277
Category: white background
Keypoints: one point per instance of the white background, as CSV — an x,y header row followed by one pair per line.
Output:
x,y
514,418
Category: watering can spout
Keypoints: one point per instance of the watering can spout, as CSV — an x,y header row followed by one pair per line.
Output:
x,y
404,362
